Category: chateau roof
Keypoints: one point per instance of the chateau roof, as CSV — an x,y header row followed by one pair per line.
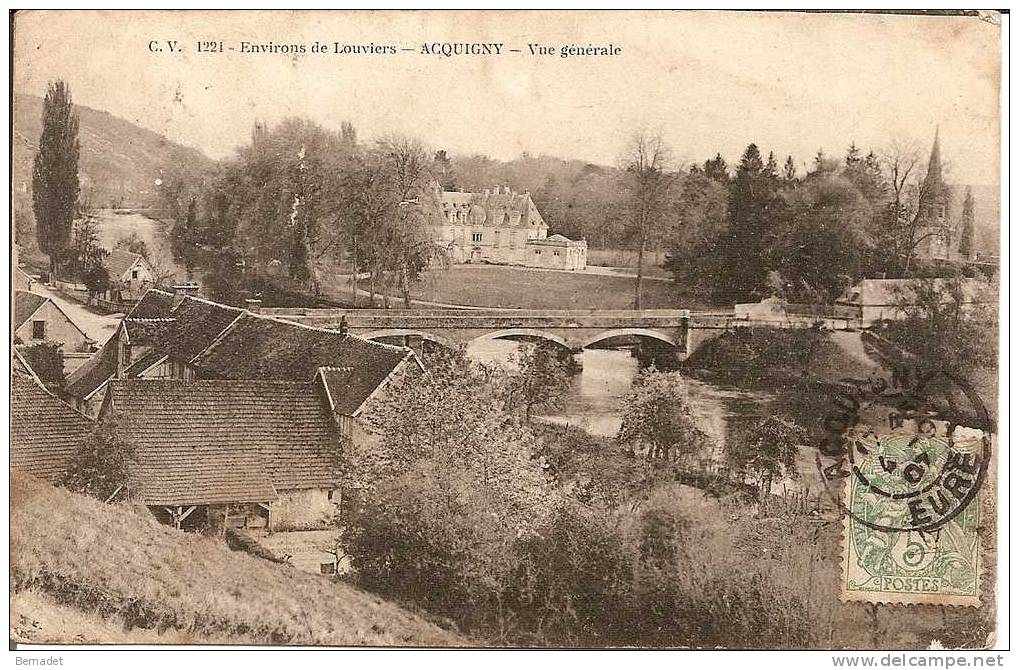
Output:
x,y
215,441
486,207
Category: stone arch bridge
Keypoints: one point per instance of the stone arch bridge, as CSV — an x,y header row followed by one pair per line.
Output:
x,y
571,329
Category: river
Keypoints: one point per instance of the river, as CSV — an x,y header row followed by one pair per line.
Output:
x,y
595,401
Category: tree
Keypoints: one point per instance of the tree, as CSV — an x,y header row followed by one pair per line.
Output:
x,y
86,252
789,170
647,182
695,242
55,184
97,281
820,243
717,169
950,324
47,360
443,170
754,209
135,244
966,234
657,417
101,467
542,377
765,449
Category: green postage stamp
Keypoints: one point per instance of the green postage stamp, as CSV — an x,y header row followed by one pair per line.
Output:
x,y
913,459
913,514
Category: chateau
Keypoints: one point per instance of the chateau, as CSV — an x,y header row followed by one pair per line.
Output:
x,y
503,227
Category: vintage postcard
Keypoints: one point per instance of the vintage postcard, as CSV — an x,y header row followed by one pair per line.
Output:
x,y
507,329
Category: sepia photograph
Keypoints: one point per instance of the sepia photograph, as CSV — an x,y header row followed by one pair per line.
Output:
x,y
508,329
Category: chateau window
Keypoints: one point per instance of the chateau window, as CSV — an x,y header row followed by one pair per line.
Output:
x,y
555,253
537,252
475,237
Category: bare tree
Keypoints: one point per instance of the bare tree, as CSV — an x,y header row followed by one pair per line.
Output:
x,y
900,160
647,180
907,228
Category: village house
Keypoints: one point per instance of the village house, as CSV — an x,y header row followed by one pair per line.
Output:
x,y
39,319
229,453
130,274
874,300
499,226
45,432
182,337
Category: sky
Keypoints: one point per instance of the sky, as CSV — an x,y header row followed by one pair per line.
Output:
x,y
710,82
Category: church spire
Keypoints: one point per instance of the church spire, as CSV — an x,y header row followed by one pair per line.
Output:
x,y
933,178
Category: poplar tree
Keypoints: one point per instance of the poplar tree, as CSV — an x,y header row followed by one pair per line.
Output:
x,y
55,174
966,235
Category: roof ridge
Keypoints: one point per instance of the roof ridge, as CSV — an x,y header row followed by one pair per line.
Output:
x,y
215,382
208,302
392,347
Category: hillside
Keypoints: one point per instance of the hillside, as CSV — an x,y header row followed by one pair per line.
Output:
x,y
120,161
83,571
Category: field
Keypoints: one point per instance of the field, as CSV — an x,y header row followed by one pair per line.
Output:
x,y
524,288
81,570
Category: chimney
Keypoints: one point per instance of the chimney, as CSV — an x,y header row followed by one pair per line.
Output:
x,y
486,192
182,290
253,305
186,288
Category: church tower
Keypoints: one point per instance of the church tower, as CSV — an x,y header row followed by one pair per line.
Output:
x,y
933,209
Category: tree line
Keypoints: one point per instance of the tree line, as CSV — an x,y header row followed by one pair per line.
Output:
x,y
300,203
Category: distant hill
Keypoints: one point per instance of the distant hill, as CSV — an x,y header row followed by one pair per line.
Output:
x,y
120,161
82,571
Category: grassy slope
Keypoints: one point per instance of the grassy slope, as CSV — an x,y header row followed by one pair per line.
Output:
x,y
511,287
76,561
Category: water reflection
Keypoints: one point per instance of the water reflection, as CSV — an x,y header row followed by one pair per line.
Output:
x,y
595,401
596,395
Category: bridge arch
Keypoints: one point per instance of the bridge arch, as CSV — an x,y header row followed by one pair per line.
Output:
x,y
404,332
523,332
637,332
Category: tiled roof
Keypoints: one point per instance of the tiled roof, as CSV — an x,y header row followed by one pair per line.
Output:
x,y
155,304
141,364
152,332
45,432
225,441
85,380
348,388
262,348
25,305
120,261
197,323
